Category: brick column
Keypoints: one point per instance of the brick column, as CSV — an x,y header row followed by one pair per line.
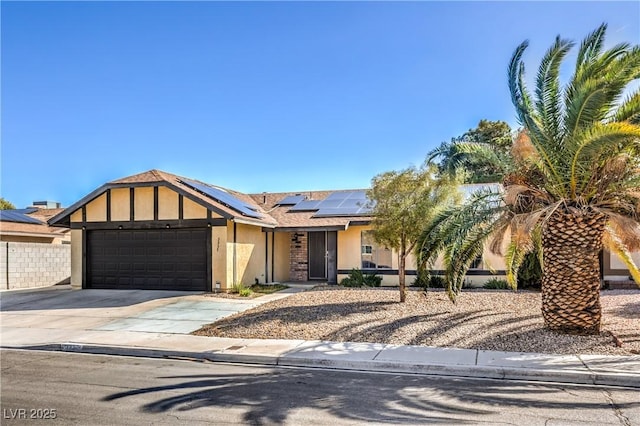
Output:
x,y
298,260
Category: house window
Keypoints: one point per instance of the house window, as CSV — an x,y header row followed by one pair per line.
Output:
x,y
477,263
374,256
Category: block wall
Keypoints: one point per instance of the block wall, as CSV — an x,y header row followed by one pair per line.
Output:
x,y
30,265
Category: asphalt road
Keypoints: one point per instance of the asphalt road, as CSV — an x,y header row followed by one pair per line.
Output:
x,y
97,389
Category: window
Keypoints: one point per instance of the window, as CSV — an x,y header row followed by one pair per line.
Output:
x,y
374,256
477,263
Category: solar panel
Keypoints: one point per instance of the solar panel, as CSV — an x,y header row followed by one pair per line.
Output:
x,y
306,205
339,203
19,216
224,197
291,200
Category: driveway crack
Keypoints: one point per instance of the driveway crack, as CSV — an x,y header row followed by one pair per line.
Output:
x,y
617,411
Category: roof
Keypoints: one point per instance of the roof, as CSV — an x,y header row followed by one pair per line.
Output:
x,y
228,208
300,220
29,222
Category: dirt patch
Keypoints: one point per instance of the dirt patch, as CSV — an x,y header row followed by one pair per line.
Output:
x,y
490,320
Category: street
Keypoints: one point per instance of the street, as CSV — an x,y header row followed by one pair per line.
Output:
x,y
68,388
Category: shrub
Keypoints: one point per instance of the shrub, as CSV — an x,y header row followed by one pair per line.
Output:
x,y
425,281
359,279
245,292
530,272
496,284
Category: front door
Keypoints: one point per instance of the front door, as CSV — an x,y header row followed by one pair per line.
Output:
x,y
322,255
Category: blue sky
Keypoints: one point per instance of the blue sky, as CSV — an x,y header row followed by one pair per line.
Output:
x,y
259,96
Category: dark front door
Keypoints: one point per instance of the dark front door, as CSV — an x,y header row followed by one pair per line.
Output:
x,y
150,259
322,255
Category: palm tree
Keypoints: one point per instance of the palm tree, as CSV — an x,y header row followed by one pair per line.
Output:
x,y
571,187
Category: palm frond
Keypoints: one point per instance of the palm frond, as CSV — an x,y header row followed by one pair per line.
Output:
x,y
548,99
615,246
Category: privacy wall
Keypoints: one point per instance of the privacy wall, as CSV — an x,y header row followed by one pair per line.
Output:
x,y
30,265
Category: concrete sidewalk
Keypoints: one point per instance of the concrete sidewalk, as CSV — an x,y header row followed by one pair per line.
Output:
x,y
580,369
157,324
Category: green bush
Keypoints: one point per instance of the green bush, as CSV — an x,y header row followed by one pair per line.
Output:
x,y
530,272
425,281
359,279
496,284
245,292
237,288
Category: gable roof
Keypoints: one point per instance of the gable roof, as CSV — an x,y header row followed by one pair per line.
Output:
x,y
180,185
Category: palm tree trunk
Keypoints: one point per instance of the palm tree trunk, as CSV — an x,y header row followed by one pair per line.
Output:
x,y
571,243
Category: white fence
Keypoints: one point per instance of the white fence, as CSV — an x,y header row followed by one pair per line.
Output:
x,y
30,265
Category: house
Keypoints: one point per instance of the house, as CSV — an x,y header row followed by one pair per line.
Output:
x,y
30,226
156,230
32,253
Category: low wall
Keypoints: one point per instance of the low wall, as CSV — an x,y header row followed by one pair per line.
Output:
x,y
29,265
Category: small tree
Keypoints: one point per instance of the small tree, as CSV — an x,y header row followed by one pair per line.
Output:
x,y
6,205
405,202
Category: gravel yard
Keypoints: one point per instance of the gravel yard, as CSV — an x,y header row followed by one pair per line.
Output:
x,y
491,320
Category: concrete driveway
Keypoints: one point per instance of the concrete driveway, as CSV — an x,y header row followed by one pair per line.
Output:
x,y
47,312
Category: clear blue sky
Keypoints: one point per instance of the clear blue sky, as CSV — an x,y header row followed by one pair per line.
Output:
x,y
259,96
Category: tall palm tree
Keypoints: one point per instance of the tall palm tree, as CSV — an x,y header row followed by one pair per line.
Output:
x,y
571,187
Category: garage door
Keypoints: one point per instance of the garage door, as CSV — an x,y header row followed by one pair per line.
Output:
x,y
157,259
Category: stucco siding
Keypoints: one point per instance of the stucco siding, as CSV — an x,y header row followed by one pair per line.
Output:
x,y
282,252
97,209
219,257
120,204
250,254
76,258
193,210
167,204
143,203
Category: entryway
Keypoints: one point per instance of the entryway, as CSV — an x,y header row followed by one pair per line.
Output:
x,y
323,247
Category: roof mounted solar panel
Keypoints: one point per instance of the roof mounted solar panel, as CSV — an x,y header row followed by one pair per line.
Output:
x,y
222,196
306,205
291,200
19,216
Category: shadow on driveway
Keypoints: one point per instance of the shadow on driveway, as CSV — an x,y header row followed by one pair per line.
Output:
x,y
66,298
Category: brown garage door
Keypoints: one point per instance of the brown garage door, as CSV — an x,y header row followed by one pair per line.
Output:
x,y
151,259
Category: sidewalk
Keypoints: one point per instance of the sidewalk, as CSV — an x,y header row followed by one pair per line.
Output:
x,y
157,324
581,369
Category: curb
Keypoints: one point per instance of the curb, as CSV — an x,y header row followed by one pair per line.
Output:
x,y
474,371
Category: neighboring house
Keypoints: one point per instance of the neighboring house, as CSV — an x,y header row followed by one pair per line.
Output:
x,y
32,253
156,230
30,226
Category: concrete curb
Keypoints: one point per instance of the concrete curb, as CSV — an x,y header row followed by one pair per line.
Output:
x,y
296,360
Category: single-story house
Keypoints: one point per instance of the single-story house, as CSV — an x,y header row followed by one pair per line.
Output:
x,y
30,226
156,230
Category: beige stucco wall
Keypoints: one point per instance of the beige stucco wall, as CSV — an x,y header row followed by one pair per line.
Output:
x,y
168,207
120,204
143,203
192,210
282,248
250,254
76,216
219,259
97,209
76,258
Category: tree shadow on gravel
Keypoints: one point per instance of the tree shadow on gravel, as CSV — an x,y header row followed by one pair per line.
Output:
x,y
272,396
628,310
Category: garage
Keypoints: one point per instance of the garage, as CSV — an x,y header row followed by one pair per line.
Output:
x,y
149,259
